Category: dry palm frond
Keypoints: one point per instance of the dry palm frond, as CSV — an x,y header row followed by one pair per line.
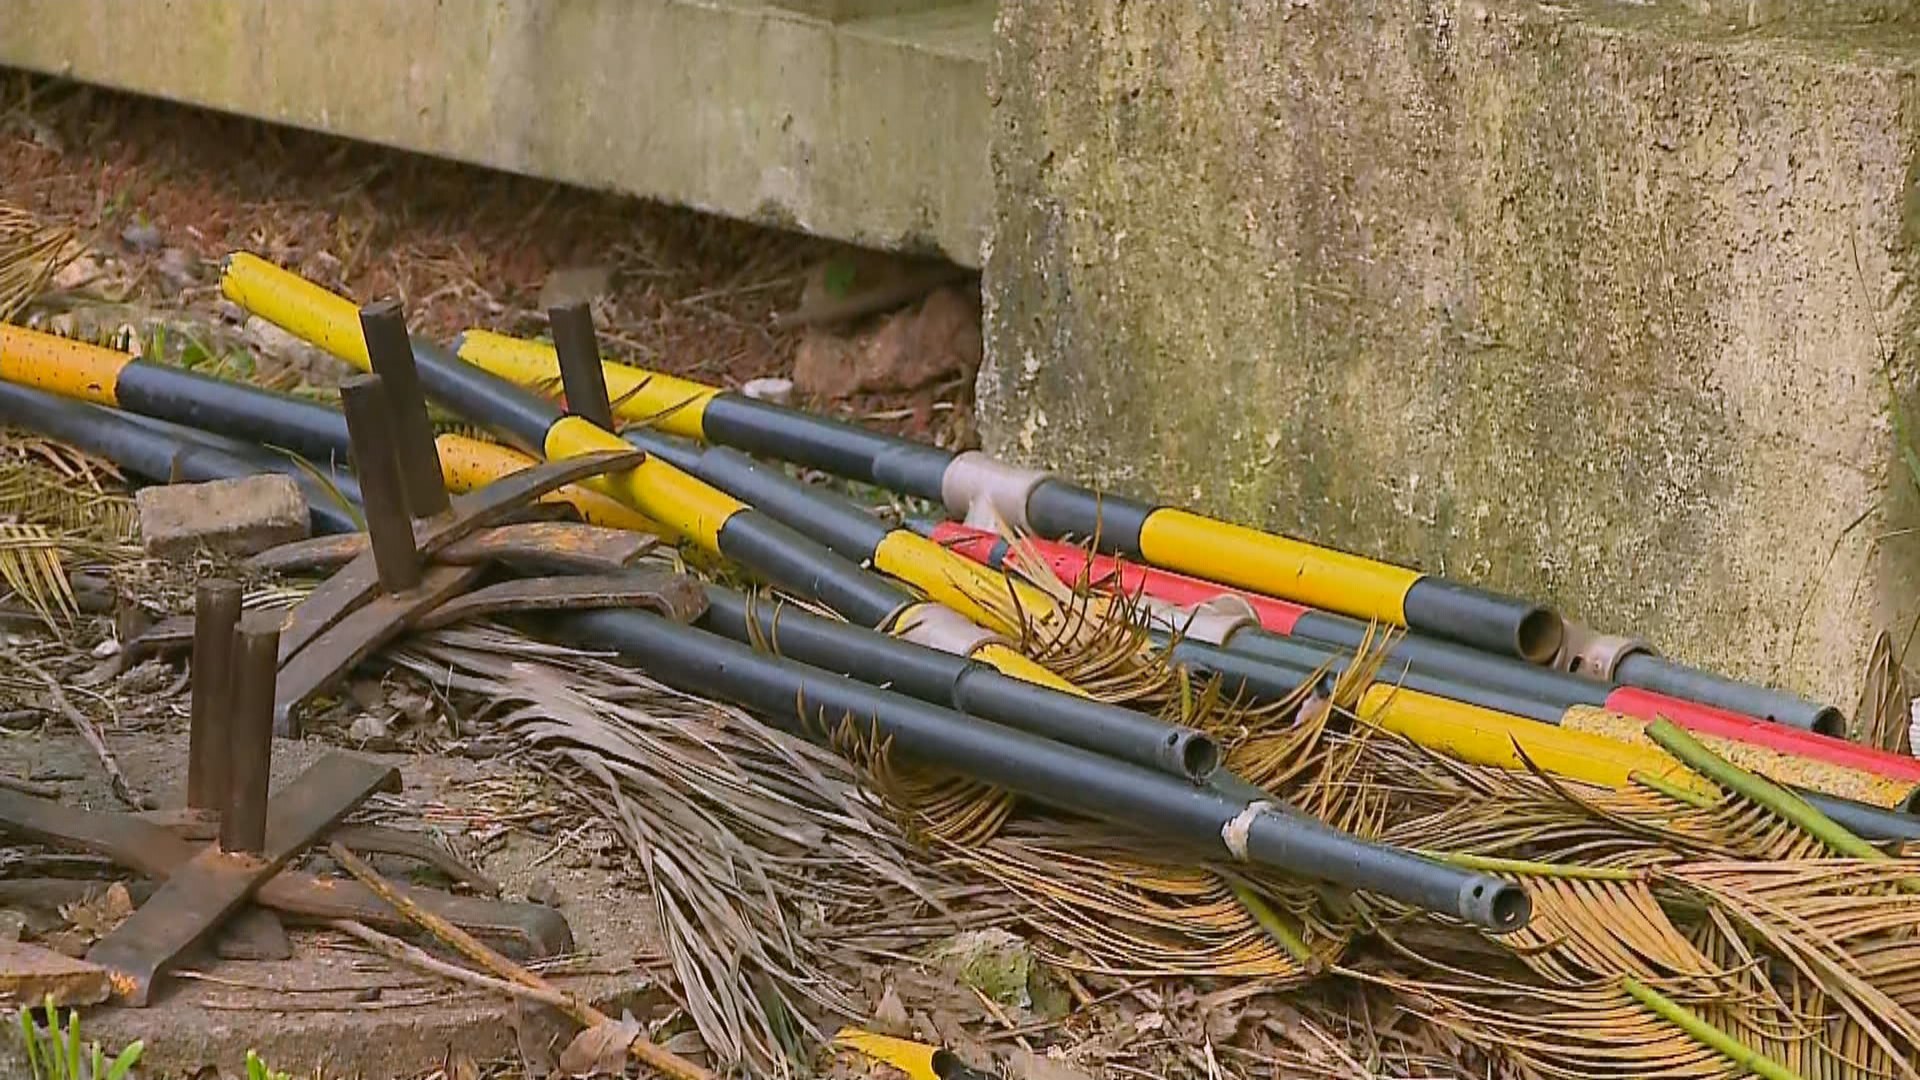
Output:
x,y
1110,909
33,567
1886,700
759,849
34,491
30,255
1845,926
1576,1034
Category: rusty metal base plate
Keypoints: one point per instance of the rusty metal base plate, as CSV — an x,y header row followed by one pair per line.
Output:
x,y
214,884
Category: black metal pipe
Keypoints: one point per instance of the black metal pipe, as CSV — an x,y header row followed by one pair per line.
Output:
x,y
1863,819
1424,655
383,324
1057,509
144,451
759,427
256,662
785,558
516,415
962,684
582,379
1063,776
332,472
1663,676
234,409
389,526
1502,625
1276,670
216,614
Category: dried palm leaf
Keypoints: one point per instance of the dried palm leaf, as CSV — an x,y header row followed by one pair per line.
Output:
x,y
30,255
32,490
759,849
1884,717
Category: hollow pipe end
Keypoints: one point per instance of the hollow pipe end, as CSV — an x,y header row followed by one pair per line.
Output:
x,y
1499,906
1192,754
1538,637
1830,722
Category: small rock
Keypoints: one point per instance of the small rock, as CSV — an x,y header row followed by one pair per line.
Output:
x,y
179,267
141,237
371,993
542,891
571,284
244,516
106,649
938,340
994,962
414,705
52,774
890,1016
778,391
367,693
77,274
368,728
316,366
13,926
31,973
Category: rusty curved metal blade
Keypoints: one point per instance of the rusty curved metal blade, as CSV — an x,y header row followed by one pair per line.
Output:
x,y
674,596
358,581
554,547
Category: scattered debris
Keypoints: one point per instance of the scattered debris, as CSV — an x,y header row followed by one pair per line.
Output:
x,y
777,390
239,517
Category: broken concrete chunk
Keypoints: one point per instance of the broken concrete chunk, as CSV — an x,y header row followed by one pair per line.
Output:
x,y
244,516
28,973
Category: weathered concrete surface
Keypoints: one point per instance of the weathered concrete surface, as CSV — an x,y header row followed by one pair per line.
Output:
x,y
859,119
1586,302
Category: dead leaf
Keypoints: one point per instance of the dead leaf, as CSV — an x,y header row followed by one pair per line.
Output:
x,y
100,914
1031,1066
601,1049
890,1016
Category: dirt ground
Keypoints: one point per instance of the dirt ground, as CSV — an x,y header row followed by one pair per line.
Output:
x,y
161,193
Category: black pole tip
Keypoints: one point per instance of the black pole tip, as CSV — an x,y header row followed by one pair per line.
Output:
x,y
1500,906
1830,722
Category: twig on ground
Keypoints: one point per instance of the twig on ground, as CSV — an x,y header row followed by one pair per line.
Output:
x,y
28,787
121,789
644,1050
415,957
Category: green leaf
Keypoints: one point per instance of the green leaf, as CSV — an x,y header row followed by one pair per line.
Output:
x,y
30,1036
124,1064
73,1043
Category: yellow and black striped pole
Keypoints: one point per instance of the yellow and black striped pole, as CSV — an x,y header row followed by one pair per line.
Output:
x,y
687,507
1161,536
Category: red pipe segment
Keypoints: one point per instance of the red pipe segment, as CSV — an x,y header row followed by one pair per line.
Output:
x,y
1708,720
1078,566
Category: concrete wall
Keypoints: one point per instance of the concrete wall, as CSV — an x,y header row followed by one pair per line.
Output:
x,y
859,119
1588,302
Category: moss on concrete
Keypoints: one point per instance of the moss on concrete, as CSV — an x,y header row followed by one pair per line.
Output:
x,y
1554,302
